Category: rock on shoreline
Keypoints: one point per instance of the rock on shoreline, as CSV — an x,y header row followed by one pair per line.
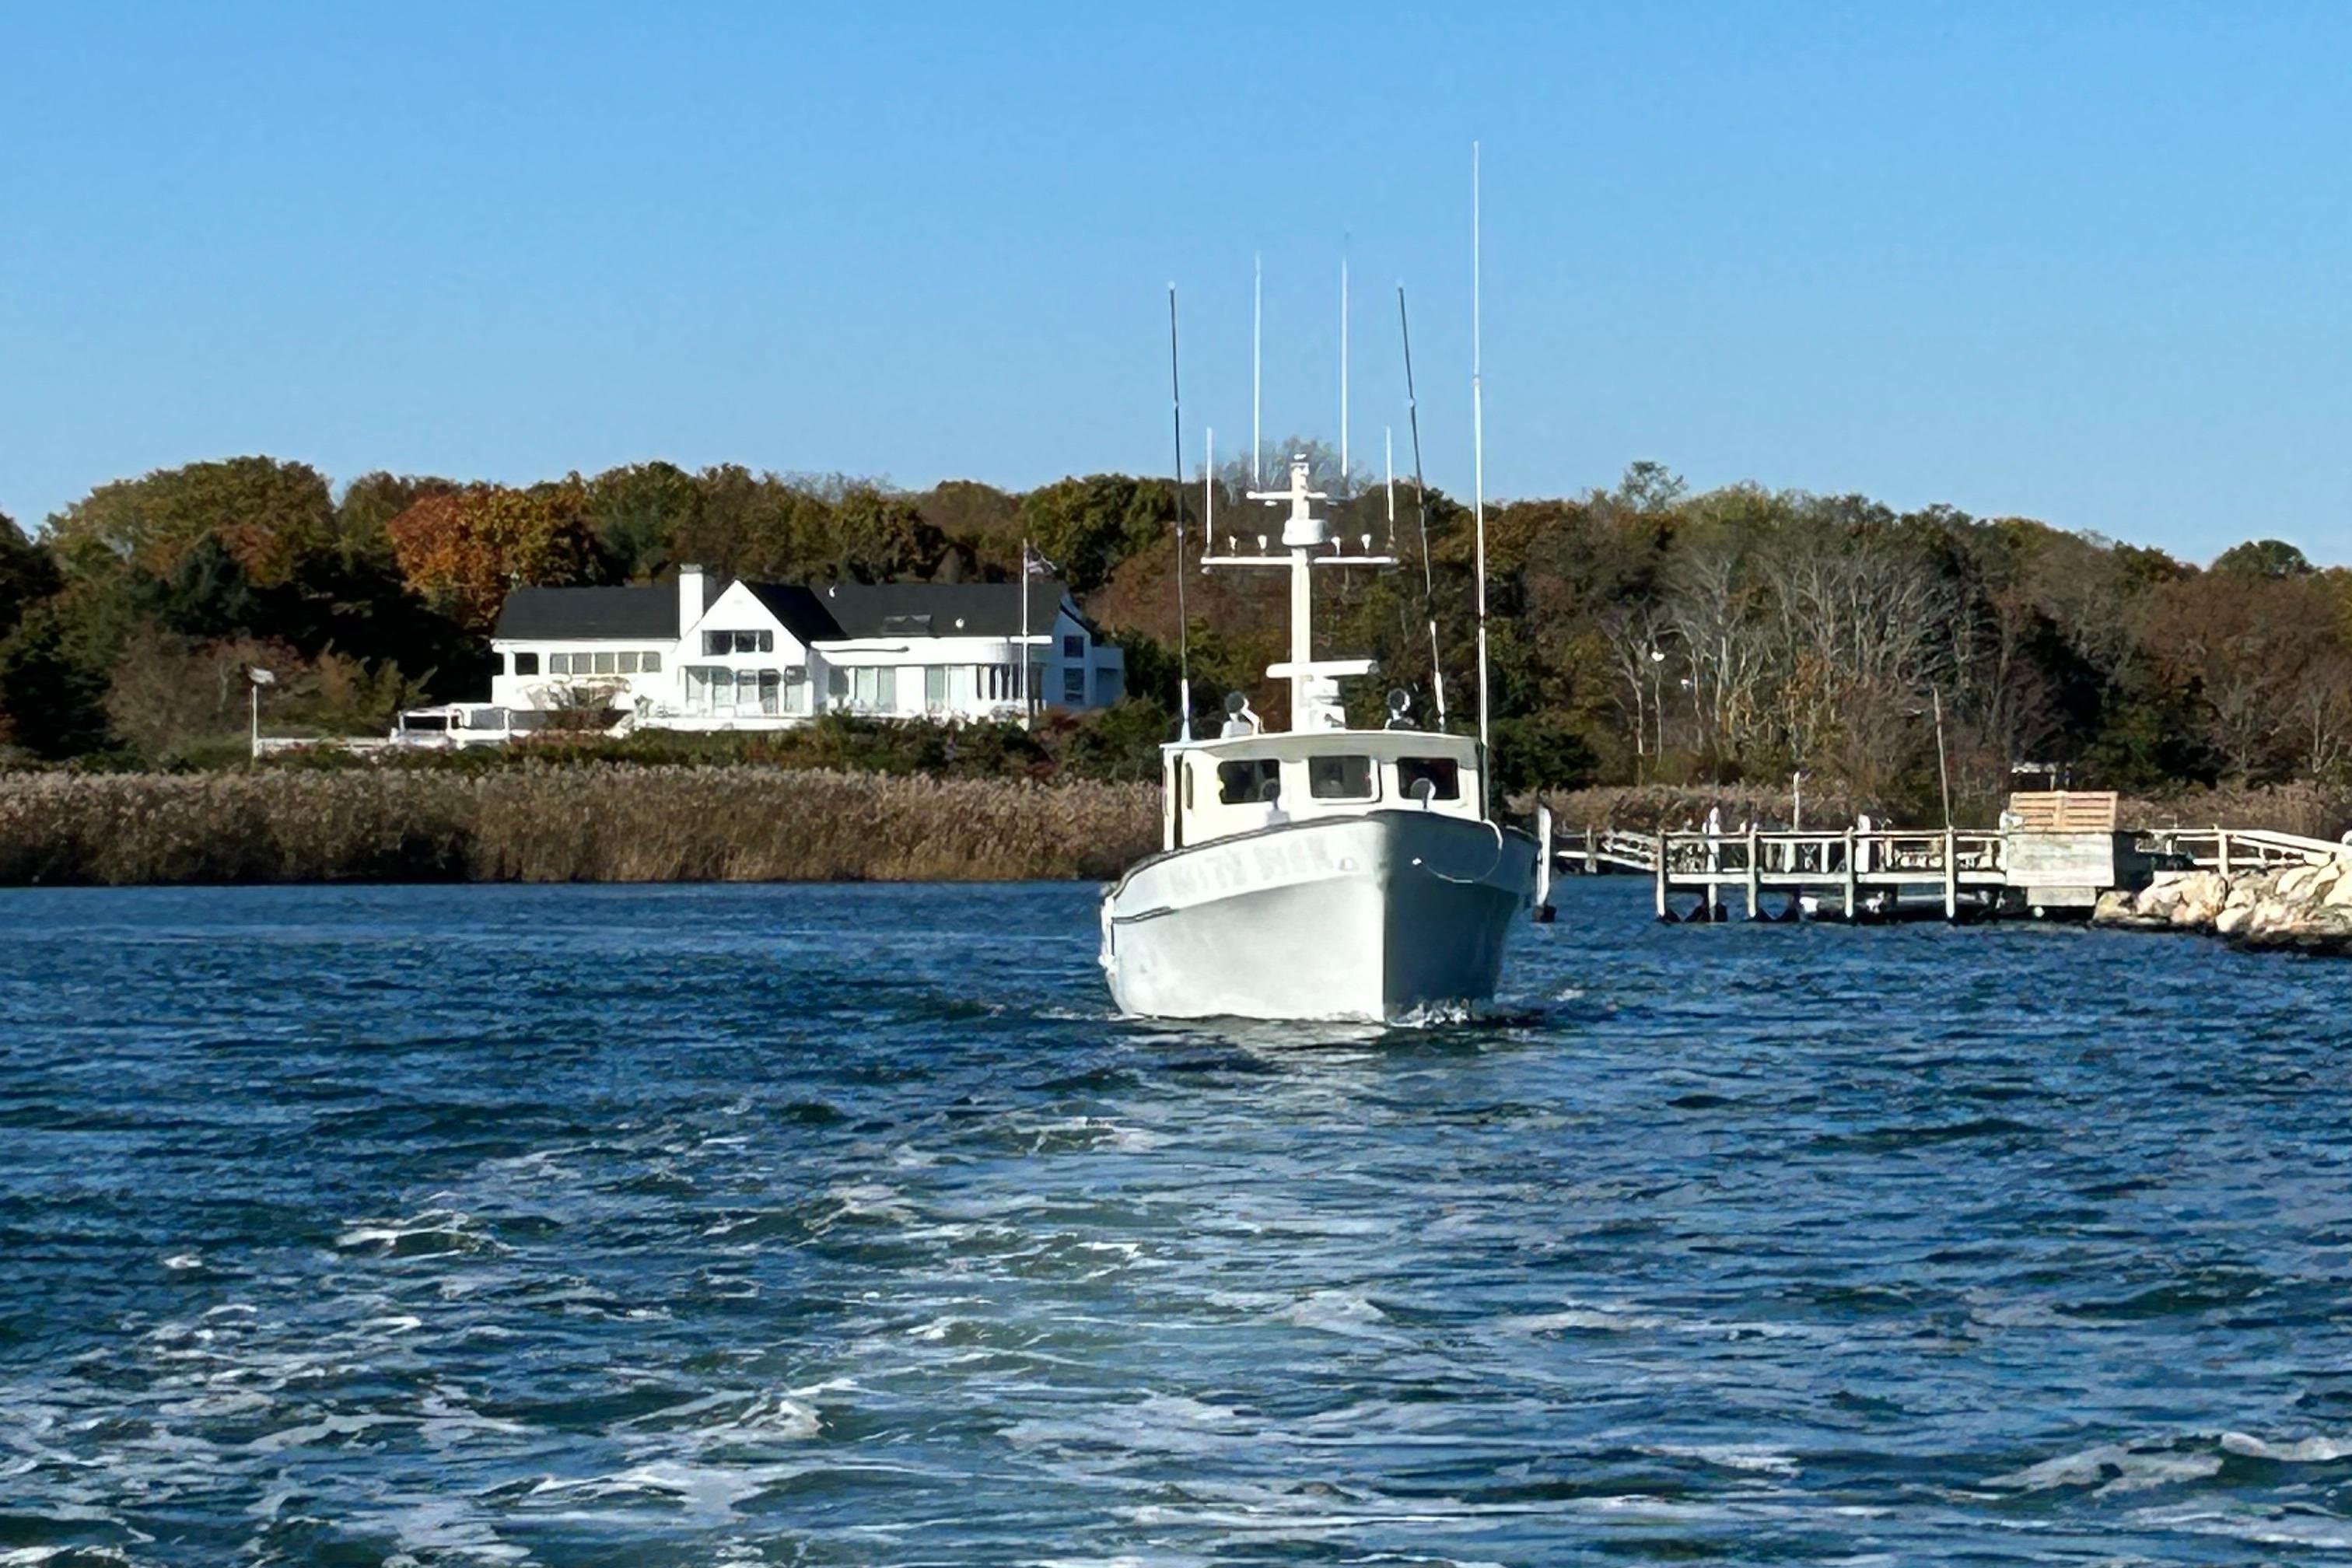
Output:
x,y
2304,908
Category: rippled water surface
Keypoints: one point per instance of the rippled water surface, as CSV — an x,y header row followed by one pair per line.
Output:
x,y
845,1225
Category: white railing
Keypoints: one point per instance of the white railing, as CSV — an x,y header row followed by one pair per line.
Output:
x,y
2232,849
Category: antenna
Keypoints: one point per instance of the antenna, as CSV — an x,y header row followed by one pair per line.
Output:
x,y
1257,364
1184,623
1478,484
1208,496
1421,499
1388,467
1343,365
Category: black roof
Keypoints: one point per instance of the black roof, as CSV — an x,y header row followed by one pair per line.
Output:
x,y
800,609
941,609
812,615
588,614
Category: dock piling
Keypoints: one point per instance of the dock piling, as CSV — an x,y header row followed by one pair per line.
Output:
x,y
1851,875
1755,878
1951,875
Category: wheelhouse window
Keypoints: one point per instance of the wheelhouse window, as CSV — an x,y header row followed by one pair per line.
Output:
x,y
1429,778
1340,778
1254,780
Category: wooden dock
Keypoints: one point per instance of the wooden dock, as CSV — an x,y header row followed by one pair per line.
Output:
x,y
2044,864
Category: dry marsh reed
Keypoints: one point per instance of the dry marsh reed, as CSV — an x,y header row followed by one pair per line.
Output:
x,y
563,825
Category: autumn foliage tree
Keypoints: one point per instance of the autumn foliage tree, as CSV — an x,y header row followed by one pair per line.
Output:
x,y
464,550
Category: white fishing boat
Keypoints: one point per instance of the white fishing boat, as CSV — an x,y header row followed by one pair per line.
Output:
x,y
1320,872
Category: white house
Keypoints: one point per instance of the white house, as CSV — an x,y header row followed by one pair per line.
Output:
x,y
700,655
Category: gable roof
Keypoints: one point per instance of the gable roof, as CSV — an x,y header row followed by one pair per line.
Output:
x,y
941,609
800,610
589,614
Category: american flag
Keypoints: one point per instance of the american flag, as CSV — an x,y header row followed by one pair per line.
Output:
x,y
1034,562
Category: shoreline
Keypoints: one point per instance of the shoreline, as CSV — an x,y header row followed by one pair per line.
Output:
x,y
562,824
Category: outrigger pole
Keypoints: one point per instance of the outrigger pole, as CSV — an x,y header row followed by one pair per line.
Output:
x,y
1478,488
1421,503
1184,625
1257,364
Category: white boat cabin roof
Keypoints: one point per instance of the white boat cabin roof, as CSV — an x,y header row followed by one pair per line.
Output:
x,y
1217,788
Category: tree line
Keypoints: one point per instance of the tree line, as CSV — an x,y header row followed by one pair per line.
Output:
x,y
1640,633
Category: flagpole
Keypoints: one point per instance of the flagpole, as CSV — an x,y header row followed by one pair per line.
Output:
x,y
1023,652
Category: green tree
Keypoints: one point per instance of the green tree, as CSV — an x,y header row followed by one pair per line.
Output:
x,y
1088,527
274,517
27,575
639,511
2262,558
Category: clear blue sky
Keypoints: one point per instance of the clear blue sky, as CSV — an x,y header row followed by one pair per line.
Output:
x,y
2079,263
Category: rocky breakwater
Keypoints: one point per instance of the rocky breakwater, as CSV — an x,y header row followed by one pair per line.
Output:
x,y
2306,907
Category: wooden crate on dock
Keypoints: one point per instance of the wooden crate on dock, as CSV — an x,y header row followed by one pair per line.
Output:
x,y
2064,810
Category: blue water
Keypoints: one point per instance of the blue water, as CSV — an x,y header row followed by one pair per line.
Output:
x,y
844,1226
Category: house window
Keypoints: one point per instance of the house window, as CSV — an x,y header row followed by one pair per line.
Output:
x,y
1074,687
559,663
1440,776
837,684
628,664
876,688
604,664
650,663
1074,647
771,691
718,645
935,687
526,664
1340,778
1240,784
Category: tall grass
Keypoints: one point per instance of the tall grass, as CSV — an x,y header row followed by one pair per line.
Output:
x,y
553,823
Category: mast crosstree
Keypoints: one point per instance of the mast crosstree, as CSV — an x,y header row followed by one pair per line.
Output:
x,y
1314,683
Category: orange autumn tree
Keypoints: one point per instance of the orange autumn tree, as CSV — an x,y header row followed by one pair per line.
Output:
x,y
462,550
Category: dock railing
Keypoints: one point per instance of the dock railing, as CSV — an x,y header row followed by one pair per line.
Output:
x,y
2230,850
1847,863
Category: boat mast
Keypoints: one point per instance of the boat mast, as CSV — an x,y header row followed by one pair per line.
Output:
x,y
1478,488
1302,532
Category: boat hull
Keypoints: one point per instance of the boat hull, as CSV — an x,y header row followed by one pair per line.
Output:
x,y
1382,916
